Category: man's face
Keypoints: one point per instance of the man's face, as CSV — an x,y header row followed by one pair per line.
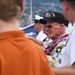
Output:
x,y
38,27
52,30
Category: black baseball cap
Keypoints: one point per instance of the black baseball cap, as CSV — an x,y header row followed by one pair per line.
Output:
x,y
54,17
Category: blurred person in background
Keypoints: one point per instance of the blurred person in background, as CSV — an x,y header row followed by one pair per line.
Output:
x,y
38,27
41,38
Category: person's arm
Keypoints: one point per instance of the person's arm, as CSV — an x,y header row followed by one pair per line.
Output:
x,y
64,70
35,40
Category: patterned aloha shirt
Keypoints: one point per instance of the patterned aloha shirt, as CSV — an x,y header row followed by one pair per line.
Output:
x,y
52,45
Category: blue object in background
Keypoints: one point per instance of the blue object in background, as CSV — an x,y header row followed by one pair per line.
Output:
x,y
29,30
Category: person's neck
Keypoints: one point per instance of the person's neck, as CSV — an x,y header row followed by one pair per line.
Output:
x,y
72,17
9,26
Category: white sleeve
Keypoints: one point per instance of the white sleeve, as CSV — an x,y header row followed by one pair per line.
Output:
x,y
41,36
72,50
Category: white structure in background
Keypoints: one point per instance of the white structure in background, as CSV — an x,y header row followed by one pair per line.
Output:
x,y
31,11
30,16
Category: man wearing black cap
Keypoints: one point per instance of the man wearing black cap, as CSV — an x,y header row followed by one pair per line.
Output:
x,y
68,54
56,30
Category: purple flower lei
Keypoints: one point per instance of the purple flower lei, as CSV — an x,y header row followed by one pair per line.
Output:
x,y
50,47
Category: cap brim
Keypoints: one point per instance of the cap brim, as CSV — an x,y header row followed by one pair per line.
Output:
x,y
47,19
42,21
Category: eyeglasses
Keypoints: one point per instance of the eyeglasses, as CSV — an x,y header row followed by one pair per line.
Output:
x,y
49,26
60,0
36,21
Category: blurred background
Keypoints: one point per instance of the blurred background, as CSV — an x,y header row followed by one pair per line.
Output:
x,y
38,7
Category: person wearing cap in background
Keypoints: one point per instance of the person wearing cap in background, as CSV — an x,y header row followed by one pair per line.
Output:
x,y
67,65
41,38
38,27
56,30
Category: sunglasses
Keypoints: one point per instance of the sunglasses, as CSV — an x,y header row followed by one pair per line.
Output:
x,y
36,21
48,26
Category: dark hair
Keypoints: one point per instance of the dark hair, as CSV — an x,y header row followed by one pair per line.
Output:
x,y
36,21
10,9
72,3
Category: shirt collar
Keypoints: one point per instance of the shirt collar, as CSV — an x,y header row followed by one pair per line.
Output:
x,y
74,24
8,34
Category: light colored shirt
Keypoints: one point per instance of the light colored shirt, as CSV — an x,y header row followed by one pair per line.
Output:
x,y
69,28
67,55
47,42
41,36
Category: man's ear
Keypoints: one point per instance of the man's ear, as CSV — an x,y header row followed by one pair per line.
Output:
x,y
62,28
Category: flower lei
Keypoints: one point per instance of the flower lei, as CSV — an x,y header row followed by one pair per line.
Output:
x,y
51,46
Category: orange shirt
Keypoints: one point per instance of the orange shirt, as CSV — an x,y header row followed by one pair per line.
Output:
x,y
21,56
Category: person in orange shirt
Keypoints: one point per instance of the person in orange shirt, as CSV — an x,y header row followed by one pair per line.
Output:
x,y
18,54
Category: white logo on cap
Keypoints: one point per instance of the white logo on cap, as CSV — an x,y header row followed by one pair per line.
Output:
x,y
49,15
